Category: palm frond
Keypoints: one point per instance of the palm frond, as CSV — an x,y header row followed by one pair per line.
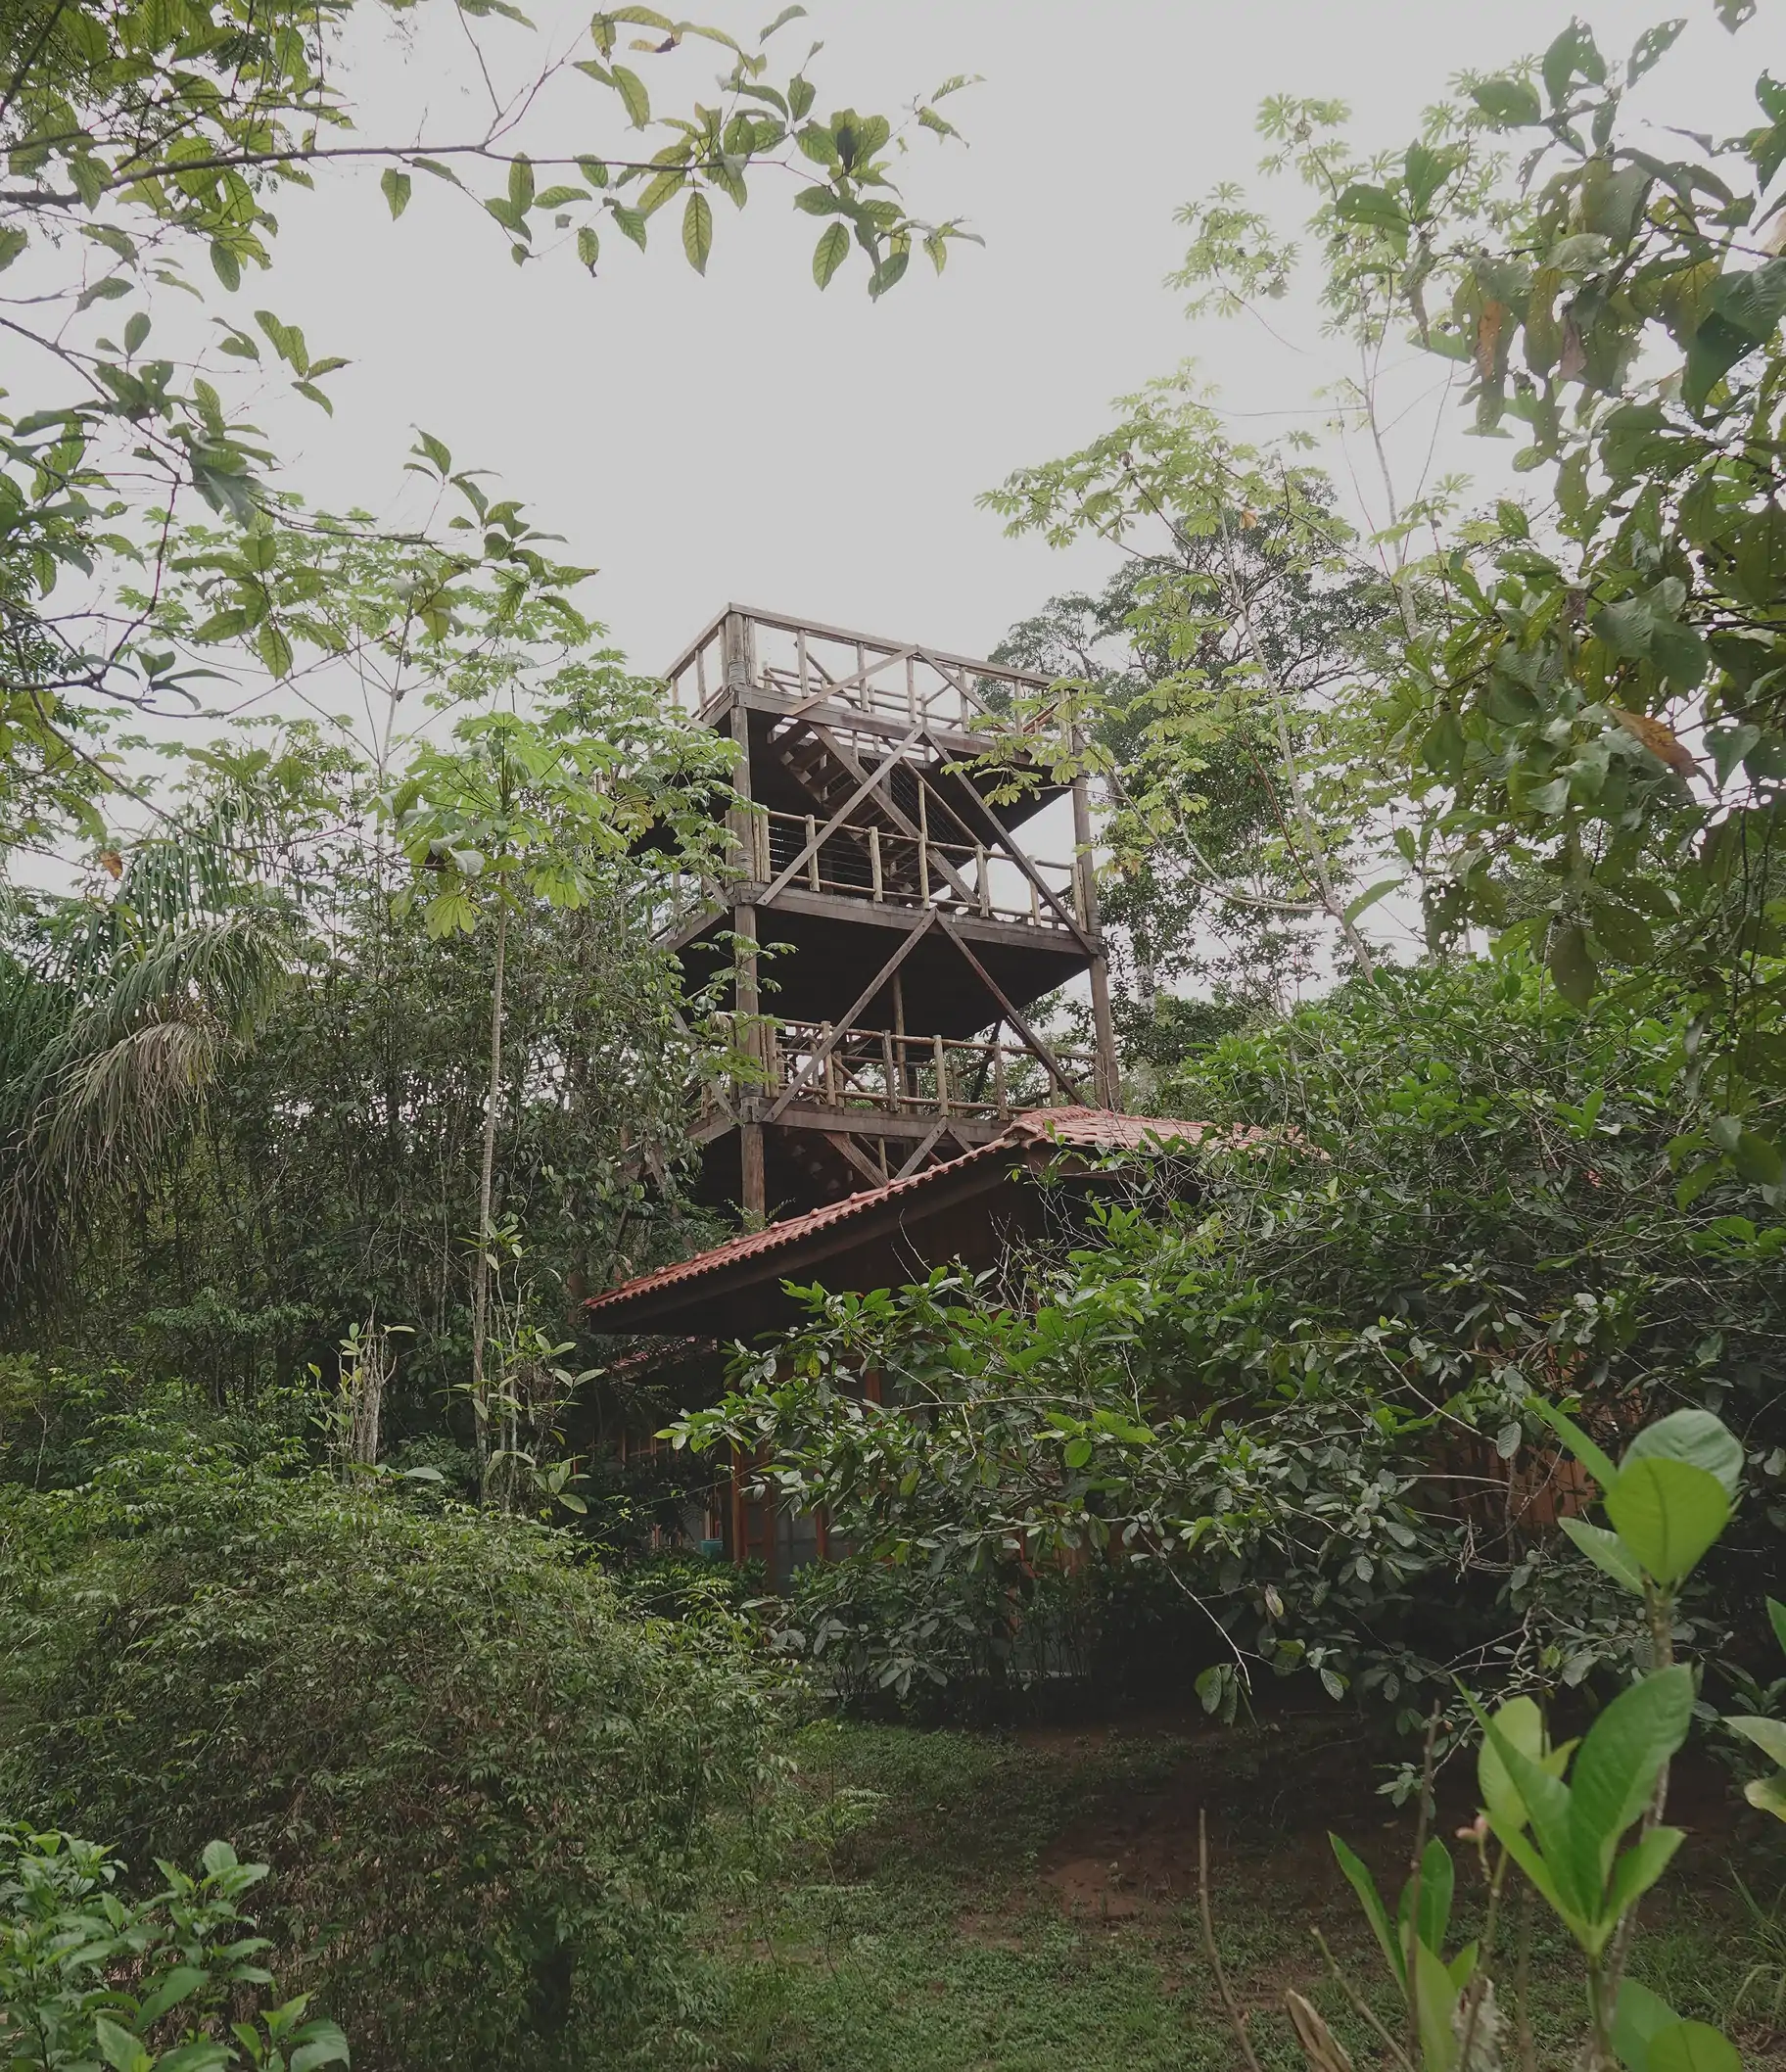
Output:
x,y
105,1058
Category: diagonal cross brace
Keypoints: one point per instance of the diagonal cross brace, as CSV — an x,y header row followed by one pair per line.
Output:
x,y
963,892
815,1062
925,1145
1003,838
845,1146
870,781
1071,1088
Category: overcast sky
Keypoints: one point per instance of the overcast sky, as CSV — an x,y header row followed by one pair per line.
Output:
x,y
746,437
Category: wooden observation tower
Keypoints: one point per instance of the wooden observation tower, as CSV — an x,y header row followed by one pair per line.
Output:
x,y
886,927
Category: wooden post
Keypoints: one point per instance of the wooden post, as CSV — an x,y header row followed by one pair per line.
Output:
x,y
830,1066
812,861
874,859
942,1075
888,1083
753,1187
1105,1076
984,877
923,843
999,1093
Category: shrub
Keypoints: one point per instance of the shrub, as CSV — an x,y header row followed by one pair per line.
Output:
x,y
485,1796
67,1940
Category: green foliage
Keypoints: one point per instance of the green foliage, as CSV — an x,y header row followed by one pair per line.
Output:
x,y
1768,1794
1202,894
147,145
216,1240
67,1937
484,1795
1247,609
1247,1392
1584,689
1562,1815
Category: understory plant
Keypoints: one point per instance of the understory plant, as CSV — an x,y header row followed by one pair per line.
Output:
x,y
1578,1823
169,1983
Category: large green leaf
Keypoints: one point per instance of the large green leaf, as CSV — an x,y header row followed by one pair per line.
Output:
x,y
1767,1795
1598,1464
1641,2014
829,253
1638,1868
1606,1550
1546,1801
1618,1764
1437,1882
1520,1722
1667,1513
1768,1736
1692,2047
1358,1876
1697,1437
1435,2006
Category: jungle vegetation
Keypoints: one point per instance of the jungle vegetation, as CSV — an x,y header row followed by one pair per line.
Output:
x,y
1437,844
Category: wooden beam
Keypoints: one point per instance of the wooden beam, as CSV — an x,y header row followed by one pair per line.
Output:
x,y
857,910
854,719
896,813
906,1128
1069,1087
846,1023
1004,839
845,1148
871,782
923,1152
1110,1072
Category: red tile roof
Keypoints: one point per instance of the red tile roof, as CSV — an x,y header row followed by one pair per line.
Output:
x,y
1078,1128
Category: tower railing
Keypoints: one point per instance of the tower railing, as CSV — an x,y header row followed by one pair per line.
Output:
x,y
879,1071
804,662
861,861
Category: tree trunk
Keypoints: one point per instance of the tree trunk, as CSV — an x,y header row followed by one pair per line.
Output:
x,y
479,1268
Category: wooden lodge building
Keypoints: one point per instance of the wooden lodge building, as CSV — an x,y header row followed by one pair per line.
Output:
x,y
884,932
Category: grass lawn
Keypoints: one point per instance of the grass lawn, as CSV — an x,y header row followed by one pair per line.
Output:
x,y
1028,1903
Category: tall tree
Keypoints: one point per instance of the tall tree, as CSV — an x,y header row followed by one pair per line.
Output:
x,y
1252,618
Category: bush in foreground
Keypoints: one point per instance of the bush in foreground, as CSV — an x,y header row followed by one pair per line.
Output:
x,y
484,1795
